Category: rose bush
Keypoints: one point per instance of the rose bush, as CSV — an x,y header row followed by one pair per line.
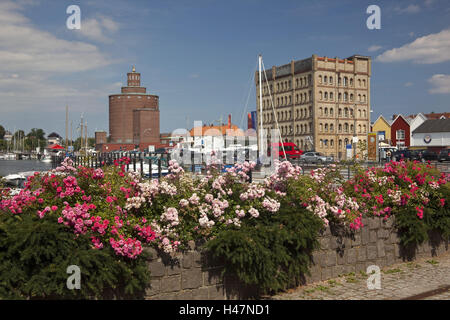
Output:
x,y
121,212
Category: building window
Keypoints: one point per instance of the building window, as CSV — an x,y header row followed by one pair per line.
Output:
x,y
331,80
400,134
331,95
325,79
331,112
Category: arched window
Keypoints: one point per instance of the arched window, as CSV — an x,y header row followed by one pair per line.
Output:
x,y
339,96
326,95
331,143
320,79
340,143
331,127
351,96
290,100
296,98
331,95
359,128
331,112
320,111
331,80
346,127
340,127
340,112
351,128
290,114
346,112
351,82
364,83
326,111
364,113
325,79
364,128
321,143
345,96
359,82
345,81
359,113
339,81
320,95
326,127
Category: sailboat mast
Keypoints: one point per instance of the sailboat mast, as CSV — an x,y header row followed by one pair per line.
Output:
x,y
260,108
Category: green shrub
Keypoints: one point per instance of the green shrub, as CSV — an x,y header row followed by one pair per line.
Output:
x,y
272,252
35,254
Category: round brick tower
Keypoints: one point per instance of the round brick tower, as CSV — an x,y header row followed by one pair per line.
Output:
x,y
134,114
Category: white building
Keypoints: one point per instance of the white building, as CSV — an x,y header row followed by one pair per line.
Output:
x,y
433,134
414,123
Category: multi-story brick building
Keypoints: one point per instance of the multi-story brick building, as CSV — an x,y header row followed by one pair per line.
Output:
x,y
134,114
320,103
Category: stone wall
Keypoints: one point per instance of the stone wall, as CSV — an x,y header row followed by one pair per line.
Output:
x,y
193,275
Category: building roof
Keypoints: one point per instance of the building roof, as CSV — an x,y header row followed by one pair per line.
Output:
x,y
223,129
54,135
396,116
434,125
432,115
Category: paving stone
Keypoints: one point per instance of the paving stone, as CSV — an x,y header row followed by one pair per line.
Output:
x,y
337,271
361,252
371,252
357,240
326,273
351,256
374,223
365,233
192,278
171,284
380,249
373,237
157,268
330,259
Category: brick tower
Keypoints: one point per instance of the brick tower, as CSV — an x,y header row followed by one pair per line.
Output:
x,y
134,114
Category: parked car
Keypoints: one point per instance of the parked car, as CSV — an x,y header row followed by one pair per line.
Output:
x,y
444,155
426,155
315,157
402,155
290,148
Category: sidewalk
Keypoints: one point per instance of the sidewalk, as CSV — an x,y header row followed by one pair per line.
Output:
x,y
416,280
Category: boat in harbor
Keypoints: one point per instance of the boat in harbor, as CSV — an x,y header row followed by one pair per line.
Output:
x,y
15,180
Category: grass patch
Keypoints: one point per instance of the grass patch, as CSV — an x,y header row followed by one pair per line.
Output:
x,y
395,270
352,279
322,288
432,261
333,283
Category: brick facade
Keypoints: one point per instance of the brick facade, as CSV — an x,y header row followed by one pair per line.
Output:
x,y
125,114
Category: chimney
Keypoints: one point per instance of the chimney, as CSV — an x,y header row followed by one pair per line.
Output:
x,y
229,121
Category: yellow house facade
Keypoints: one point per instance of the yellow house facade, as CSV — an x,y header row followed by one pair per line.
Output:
x,y
382,127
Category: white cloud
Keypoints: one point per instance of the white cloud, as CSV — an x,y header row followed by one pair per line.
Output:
x,y
433,48
374,48
96,29
440,83
409,84
412,8
31,58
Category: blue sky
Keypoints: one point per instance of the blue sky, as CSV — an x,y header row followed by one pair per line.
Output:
x,y
199,56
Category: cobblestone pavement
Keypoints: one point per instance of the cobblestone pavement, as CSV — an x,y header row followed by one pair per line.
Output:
x,y
413,280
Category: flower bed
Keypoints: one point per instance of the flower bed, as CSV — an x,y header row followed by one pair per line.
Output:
x,y
274,223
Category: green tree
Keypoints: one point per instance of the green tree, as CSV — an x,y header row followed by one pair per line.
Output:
x,y
35,138
2,132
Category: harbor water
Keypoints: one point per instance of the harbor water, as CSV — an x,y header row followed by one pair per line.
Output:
x,y
15,166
